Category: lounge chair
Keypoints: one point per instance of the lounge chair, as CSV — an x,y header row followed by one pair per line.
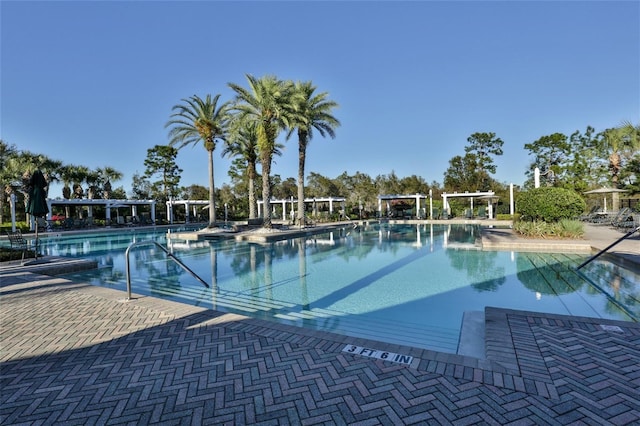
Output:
x,y
18,242
482,212
624,219
611,218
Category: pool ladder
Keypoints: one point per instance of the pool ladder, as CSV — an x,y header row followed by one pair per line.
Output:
x,y
148,243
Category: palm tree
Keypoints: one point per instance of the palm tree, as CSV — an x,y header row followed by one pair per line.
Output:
x,y
200,120
270,103
621,142
108,174
313,112
243,143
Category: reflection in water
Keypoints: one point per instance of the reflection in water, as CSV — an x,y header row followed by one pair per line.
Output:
x,y
406,284
464,253
539,274
302,273
213,254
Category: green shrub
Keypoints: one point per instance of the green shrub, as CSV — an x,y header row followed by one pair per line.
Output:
x,y
565,228
549,204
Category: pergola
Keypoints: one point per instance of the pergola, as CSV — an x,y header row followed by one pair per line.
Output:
x,y
313,201
190,206
107,203
490,196
391,197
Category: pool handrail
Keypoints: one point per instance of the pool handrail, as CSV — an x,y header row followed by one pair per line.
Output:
x,y
171,255
601,252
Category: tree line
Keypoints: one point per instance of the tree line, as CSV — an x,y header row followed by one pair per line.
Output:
x,y
247,128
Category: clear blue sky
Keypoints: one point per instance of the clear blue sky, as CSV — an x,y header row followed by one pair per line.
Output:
x,y
93,83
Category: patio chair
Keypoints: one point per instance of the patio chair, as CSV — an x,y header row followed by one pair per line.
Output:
x,y
18,242
624,219
608,218
590,216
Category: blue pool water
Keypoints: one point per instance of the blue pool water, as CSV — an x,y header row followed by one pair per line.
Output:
x,y
406,284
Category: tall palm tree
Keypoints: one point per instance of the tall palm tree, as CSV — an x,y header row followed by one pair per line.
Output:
x,y
198,120
269,102
243,143
313,112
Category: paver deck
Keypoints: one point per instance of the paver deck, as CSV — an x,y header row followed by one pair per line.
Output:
x,y
79,354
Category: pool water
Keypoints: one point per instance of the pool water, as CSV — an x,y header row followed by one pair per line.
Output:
x,y
405,284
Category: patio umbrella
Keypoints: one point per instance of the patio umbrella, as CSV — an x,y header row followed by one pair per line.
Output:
x,y
37,205
605,190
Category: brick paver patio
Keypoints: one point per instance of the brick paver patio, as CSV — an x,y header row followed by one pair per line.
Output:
x,y
80,354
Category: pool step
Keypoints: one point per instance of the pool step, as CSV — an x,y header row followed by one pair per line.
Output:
x,y
356,325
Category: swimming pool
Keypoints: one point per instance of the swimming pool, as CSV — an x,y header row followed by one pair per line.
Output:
x,y
405,284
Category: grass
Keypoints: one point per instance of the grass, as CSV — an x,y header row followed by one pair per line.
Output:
x,y
564,229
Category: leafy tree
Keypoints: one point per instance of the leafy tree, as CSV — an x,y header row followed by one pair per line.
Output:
x,y
484,146
200,120
388,184
195,192
551,155
321,186
414,185
630,174
462,173
584,167
140,187
359,189
161,160
314,111
118,194
270,103
283,189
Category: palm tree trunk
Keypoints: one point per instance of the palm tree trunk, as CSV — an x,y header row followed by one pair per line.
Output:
x,y
251,173
301,160
266,190
212,193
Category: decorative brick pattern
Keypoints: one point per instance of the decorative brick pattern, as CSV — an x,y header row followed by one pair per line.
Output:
x,y
78,354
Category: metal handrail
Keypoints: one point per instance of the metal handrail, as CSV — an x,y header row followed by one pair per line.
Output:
x,y
601,252
150,242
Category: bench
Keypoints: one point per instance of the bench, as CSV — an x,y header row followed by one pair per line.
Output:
x,y
18,242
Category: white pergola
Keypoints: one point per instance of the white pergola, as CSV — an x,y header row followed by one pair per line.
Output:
x,y
107,203
190,206
391,197
313,201
488,195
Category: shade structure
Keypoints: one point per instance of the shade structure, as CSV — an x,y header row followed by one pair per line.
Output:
x,y
37,205
604,191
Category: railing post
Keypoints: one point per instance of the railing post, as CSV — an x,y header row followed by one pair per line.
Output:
x,y
169,254
601,252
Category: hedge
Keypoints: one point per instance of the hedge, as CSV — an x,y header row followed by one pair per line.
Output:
x,y
549,204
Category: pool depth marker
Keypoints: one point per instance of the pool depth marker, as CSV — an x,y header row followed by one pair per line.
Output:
x,y
382,355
